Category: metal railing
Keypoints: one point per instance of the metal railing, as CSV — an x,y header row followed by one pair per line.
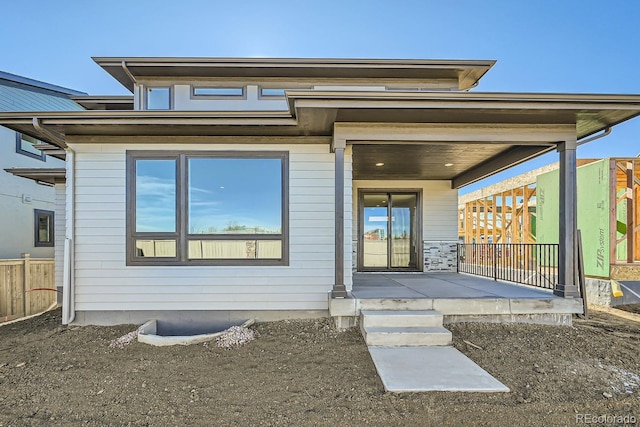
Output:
x,y
534,264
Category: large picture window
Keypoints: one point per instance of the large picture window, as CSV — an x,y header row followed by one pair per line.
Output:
x,y
220,208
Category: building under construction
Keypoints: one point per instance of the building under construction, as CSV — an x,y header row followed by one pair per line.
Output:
x,y
524,209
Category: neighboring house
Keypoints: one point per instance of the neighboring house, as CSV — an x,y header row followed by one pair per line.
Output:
x,y
256,187
524,209
27,219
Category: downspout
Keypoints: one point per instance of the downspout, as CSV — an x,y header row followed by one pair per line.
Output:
x,y
606,132
68,288
136,93
68,276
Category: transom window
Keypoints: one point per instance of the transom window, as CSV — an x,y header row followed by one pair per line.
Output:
x,y
25,144
212,91
224,208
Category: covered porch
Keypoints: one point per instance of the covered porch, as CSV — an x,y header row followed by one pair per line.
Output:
x,y
458,297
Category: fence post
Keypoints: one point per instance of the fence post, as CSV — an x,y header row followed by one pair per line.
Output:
x,y
26,282
495,262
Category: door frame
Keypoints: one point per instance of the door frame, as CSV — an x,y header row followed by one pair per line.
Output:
x,y
418,225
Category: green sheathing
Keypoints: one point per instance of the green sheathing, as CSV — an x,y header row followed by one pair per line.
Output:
x,y
621,225
593,213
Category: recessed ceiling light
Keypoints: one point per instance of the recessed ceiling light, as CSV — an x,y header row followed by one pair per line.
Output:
x,y
448,164
379,164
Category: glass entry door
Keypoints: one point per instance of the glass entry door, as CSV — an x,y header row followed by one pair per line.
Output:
x,y
389,231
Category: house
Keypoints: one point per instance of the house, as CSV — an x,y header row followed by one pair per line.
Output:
x,y
27,220
245,187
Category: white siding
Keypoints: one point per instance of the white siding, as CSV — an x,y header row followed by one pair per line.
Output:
x,y
104,282
439,208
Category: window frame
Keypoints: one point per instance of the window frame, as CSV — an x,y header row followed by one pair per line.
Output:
x,y
181,235
20,150
37,213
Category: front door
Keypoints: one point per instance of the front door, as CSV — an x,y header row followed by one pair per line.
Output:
x,y
389,235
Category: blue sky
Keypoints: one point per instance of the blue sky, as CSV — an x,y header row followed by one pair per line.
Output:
x,y
583,46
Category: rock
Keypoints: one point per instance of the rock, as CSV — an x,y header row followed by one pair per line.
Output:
x,y
607,395
21,365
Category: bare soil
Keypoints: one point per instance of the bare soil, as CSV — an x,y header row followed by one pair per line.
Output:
x,y
306,373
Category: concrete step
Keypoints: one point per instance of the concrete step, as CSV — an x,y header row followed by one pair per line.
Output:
x,y
399,318
406,336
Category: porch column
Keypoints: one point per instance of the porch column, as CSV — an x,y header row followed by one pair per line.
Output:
x,y
567,253
339,289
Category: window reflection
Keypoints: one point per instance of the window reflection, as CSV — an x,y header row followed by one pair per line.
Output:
x,y
235,249
156,248
155,195
235,196
158,98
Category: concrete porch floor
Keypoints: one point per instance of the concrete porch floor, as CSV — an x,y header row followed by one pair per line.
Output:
x,y
439,285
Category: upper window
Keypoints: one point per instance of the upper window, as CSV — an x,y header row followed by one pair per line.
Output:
x,y
271,92
43,227
25,144
212,91
225,208
158,98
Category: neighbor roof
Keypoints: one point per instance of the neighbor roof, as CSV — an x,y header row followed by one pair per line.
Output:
x,y
19,93
466,72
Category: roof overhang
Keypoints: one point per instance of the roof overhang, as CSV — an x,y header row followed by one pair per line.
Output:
x,y
317,113
126,69
110,102
48,176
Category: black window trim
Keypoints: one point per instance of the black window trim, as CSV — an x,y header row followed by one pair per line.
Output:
x,y
181,235
42,156
37,213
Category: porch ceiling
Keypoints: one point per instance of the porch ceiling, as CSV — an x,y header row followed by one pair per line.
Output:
x,y
421,161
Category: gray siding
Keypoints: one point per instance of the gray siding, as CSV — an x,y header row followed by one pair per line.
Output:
x,y
104,282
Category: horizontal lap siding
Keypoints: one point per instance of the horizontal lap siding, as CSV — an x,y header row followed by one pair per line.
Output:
x,y
104,282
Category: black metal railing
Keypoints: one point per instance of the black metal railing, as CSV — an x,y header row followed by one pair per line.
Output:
x,y
534,264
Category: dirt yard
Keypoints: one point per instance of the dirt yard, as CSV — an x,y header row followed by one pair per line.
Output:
x,y
306,373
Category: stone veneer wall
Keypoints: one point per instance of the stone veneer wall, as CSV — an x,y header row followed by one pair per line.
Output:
x,y
440,256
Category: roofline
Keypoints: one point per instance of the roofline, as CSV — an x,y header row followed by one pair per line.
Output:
x,y
39,84
299,62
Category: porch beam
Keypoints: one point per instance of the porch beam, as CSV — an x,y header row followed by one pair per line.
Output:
x,y
339,289
498,163
567,259
512,134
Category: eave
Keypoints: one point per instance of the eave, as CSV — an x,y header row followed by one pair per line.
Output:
x,y
40,175
123,69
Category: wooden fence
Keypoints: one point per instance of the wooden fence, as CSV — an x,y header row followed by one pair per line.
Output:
x,y
26,287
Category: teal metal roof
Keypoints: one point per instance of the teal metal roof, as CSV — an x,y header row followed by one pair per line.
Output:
x,y
19,93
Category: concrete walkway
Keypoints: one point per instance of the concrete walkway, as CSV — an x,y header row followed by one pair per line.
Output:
x,y
431,368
